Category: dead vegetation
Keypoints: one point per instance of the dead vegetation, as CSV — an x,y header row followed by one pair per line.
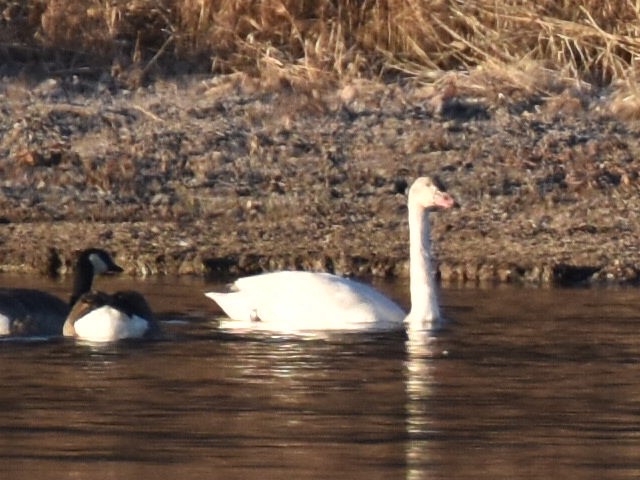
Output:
x,y
589,41
304,126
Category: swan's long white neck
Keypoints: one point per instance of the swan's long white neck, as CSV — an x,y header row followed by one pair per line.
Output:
x,y
424,304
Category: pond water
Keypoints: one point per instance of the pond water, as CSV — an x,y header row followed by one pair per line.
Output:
x,y
523,383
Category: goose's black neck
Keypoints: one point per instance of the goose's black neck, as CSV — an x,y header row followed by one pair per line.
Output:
x,y
83,279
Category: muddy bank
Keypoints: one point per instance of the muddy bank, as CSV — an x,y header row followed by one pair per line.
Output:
x,y
226,177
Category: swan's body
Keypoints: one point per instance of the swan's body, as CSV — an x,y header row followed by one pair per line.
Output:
x,y
292,300
300,301
100,317
26,311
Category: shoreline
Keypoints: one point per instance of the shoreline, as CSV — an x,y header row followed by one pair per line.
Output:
x,y
224,177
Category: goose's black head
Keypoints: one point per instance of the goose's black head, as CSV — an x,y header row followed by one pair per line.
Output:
x,y
99,261
91,262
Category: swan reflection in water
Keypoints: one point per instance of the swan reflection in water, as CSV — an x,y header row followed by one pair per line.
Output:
x,y
337,414
421,349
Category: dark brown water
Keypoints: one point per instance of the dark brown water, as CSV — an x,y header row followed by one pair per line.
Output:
x,y
523,383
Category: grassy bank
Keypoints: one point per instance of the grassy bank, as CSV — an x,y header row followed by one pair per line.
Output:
x,y
596,42
516,106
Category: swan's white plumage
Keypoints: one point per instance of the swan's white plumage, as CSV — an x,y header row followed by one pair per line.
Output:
x,y
107,324
301,301
294,301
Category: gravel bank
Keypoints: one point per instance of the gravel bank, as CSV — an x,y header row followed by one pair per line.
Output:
x,y
227,177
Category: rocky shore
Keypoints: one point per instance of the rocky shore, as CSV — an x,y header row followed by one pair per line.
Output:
x,y
226,176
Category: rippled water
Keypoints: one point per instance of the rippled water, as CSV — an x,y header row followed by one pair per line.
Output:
x,y
523,383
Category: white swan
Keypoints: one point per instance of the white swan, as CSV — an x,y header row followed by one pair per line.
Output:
x,y
293,301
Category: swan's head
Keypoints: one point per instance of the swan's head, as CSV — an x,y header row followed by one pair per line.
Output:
x,y
429,194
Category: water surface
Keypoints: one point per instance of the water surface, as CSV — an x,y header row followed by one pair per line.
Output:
x,y
523,383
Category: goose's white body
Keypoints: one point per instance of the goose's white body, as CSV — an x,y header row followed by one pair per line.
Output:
x,y
294,301
302,301
5,325
108,324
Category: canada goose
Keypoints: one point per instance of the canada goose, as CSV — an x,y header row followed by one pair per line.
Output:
x,y
103,317
26,311
298,301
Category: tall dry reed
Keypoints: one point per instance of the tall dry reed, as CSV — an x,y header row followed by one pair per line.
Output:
x,y
590,40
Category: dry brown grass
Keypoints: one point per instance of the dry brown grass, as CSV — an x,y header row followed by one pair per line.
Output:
x,y
588,40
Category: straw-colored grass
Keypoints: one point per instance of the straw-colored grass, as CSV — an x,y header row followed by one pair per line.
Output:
x,y
588,40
